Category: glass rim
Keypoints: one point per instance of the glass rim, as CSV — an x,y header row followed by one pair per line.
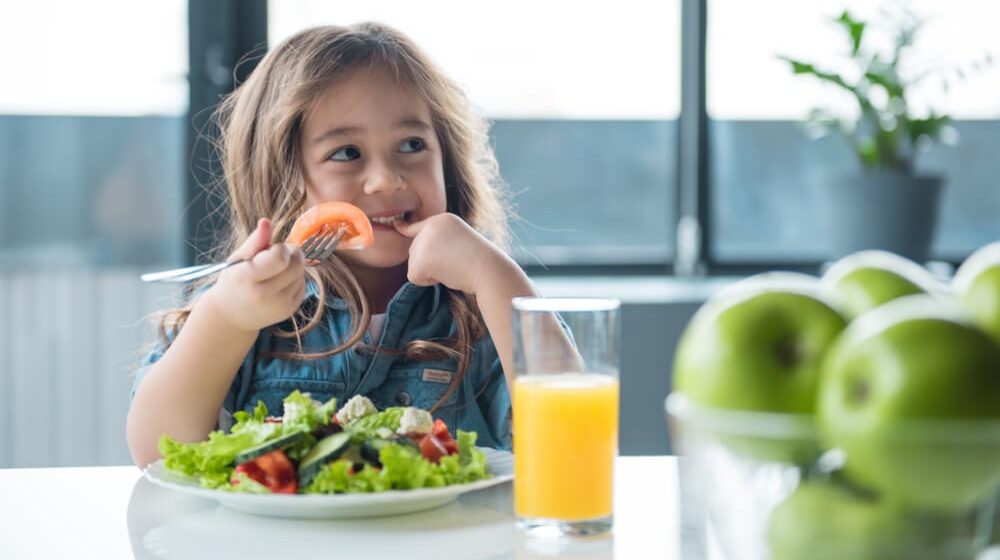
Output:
x,y
565,304
786,425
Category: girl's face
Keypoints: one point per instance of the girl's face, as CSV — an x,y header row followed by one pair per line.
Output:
x,y
370,141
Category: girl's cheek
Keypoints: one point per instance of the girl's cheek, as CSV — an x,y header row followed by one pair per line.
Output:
x,y
332,188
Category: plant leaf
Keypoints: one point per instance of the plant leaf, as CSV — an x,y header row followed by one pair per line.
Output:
x,y
854,27
806,68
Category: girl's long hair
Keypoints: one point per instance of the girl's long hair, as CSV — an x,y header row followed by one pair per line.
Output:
x,y
260,125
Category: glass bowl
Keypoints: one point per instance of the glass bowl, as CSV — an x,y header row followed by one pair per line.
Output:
x,y
770,490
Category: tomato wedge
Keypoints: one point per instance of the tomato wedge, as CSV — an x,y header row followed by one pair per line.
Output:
x,y
273,470
431,448
331,216
438,443
440,429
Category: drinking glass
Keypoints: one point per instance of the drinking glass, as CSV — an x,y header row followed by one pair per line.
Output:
x,y
565,397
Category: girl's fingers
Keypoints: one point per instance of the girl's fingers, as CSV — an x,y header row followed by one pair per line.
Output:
x,y
295,291
289,276
409,229
259,240
272,262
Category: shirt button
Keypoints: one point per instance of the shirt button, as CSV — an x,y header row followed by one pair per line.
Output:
x,y
404,398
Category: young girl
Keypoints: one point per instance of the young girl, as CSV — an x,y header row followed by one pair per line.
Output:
x,y
421,318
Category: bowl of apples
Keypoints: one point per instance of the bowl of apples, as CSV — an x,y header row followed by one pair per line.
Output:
x,y
853,416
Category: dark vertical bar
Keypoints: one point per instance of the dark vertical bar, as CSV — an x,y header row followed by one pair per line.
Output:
x,y
226,38
693,226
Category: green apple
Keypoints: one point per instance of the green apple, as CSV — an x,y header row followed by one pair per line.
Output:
x,y
758,345
911,394
868,279
825,520
977,285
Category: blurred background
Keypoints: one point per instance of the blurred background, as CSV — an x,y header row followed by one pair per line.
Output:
x,y
655,150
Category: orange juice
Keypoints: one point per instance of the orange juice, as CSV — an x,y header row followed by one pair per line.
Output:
x,y
565,442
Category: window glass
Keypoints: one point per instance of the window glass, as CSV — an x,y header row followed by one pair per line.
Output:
x,y
765,167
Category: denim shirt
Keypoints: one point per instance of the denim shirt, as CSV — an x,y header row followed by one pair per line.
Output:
x,y
480,403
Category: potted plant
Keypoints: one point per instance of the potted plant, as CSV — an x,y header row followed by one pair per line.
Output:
x,y
888,204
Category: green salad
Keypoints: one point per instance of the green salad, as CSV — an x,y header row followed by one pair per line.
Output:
x,y
314,448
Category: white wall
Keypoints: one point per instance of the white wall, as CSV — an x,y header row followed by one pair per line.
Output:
x,y
69,340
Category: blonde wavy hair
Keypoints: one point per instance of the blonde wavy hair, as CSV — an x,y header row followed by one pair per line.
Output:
x,y
260,124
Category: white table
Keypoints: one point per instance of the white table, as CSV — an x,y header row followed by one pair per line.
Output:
x,y
112,512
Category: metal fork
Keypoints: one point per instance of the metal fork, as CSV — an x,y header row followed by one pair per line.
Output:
x,y
315,248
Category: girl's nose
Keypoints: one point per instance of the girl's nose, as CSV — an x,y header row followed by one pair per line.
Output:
x,y
384,179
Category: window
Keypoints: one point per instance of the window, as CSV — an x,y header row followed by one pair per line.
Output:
x,y
91,128
764,167
584,102
92,121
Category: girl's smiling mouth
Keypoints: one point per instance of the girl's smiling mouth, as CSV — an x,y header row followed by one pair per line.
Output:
x,y
385,220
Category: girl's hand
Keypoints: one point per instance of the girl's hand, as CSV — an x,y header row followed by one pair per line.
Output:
x,y
264,290
446,250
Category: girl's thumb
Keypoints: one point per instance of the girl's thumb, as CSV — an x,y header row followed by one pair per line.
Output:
x,y
259,239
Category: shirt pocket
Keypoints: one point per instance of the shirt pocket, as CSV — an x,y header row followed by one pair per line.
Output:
x,y
273,390
421,387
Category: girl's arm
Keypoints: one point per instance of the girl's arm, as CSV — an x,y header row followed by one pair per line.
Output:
x,y
447,250
184,390
499,282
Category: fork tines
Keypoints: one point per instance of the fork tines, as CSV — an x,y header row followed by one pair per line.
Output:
x,y
321,246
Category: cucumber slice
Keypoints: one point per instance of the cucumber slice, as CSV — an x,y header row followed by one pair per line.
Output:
x,y
353,453
282,442
325,450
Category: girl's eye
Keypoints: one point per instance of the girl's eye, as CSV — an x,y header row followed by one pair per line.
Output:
x,y
411,145
347,153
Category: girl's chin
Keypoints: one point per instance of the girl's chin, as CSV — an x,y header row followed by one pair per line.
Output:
x,y
390,249
383,229
376,257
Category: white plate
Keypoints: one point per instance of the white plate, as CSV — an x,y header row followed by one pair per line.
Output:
x,y
332,506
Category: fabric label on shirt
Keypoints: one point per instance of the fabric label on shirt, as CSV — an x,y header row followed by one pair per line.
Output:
x,y
437,376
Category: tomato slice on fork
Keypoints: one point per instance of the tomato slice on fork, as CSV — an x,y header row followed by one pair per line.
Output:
x,y
329,217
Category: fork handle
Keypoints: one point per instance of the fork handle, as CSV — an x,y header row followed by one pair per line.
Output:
x,y
189,273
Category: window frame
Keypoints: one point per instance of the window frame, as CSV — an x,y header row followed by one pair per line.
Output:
x,y
226,40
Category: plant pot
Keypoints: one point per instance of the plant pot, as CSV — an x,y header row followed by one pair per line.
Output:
x,y
882,210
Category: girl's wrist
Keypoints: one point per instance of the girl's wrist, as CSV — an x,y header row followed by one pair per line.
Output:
x,y
211,305
502,276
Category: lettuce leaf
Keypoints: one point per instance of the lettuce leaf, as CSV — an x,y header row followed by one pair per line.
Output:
x,y
211,461
468,465
404,467
367,427
337,477
303,414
